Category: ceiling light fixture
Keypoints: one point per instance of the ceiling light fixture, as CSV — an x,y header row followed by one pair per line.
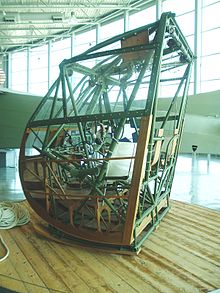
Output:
x,y
9,19
57,18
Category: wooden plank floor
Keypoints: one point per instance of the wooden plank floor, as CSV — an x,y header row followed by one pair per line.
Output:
x,y
182,255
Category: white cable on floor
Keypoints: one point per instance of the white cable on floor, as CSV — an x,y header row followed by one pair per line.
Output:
x,y
6,249
11,215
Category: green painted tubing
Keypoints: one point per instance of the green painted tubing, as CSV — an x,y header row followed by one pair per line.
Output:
x,y
185,97
79,124
89,118
106,102
148,210
140,242
64,97
92,104
51,113
85,98
74,90
151,102
121,123
71,95
78,173
54,137
85,57
154,79
174,98
43,101
102,195
98,91
80,69
110,41
183,39
55,98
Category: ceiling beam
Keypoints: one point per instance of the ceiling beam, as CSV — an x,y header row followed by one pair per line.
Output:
x,y
7,37
20,44
34,28
56,17
41,22
66,7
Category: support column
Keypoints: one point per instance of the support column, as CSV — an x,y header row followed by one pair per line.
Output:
x,y
3,70
97,33
126,21
158,9
73,44
9,70
28,69
49,62
197,46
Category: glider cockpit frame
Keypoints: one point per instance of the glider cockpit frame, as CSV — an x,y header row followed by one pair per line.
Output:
x,y
98,157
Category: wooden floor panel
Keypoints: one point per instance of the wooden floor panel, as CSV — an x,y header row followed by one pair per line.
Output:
x,y
182,255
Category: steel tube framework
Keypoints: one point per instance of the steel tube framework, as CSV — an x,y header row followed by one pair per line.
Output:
x,y
97,158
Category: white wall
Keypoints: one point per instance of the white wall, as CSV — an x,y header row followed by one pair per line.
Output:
x,y
202,123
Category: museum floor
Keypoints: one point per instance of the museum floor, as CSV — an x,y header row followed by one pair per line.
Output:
x,y
182,255
195,181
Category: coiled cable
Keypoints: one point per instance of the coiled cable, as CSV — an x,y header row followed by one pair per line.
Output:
x,y
11,215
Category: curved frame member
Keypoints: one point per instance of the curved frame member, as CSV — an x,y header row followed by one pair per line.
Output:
x,y
101,114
